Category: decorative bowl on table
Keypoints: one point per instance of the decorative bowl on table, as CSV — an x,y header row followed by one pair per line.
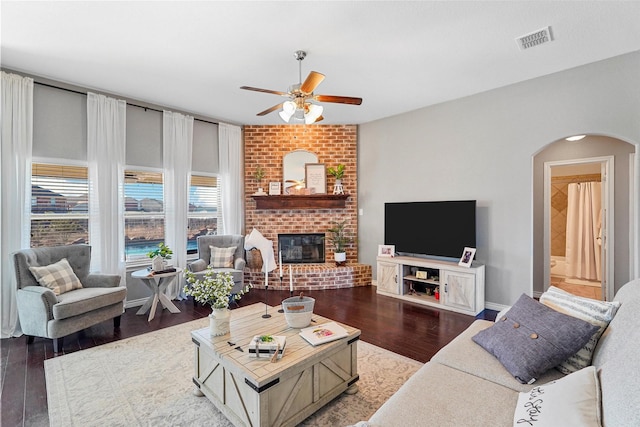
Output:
x,y
298,311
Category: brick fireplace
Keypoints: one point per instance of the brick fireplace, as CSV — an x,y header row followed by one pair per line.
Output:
x,y
265,146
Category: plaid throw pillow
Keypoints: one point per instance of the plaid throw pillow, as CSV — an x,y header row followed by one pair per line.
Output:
x,y
222,257
59,277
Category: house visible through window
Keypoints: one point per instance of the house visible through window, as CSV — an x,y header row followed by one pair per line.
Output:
x,y
143,213
204,202
59,205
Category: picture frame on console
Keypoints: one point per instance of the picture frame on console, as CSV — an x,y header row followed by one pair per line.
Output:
x,y
315,178
386,250
467,257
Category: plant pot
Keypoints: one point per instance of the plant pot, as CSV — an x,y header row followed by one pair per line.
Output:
x,y
337,188
340,256
219,321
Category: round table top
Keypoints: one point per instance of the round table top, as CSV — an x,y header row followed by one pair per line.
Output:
x,y
148,273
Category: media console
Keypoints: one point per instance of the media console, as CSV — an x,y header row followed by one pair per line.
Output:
x,y
461,289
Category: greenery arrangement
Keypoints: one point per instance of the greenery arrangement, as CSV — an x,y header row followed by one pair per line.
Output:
x,y
163,250
214,289
259,174
337,172
338,236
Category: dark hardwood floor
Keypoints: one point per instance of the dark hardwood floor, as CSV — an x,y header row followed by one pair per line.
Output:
x,y
409,329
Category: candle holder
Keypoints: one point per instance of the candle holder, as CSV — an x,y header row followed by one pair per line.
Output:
x,y
281,310
266,298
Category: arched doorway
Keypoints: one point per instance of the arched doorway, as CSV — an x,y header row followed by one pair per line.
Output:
x,y
622,155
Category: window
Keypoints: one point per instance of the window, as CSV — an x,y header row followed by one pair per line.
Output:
x,y
143,213
204,200
59,205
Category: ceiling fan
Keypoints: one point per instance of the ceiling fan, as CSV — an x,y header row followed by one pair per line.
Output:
x,y
299,108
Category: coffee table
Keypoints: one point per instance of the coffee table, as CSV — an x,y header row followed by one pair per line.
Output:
x,y
252,391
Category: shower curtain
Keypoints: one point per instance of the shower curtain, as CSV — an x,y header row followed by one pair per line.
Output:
x,y
584,227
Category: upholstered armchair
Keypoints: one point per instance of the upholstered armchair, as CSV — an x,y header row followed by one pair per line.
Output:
x,y
224,259
57,295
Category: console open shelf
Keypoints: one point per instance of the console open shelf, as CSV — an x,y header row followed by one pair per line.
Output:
x,y
311,201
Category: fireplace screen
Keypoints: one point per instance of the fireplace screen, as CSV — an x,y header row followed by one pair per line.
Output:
x,y
301,248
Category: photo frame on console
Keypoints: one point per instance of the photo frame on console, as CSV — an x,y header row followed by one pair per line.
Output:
x,y
315,178
467,257
386,250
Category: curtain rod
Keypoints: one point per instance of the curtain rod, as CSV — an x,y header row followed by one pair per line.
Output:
x,y
133,105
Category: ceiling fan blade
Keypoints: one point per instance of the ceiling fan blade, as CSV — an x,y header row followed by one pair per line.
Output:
x,y
257,89
320,118
312,81
338,99
269,110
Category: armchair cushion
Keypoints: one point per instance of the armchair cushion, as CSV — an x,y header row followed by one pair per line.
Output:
x,y
222,257
86,300
59,277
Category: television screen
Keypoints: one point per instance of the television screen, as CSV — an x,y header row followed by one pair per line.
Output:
x,y
442,228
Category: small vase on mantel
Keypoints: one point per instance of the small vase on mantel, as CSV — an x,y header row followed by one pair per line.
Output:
x,y
219,321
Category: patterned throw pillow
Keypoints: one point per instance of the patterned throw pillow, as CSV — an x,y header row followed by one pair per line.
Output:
x,y
532,338
222,257
59,277
598,313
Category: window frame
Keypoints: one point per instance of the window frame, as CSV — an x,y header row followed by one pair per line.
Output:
x,y
217,215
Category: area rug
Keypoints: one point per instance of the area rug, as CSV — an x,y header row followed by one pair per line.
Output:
x,y
146,381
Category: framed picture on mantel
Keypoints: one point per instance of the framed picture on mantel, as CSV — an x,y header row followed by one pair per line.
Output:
x,y
315,178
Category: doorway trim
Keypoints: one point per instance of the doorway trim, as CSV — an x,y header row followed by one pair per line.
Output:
x,y
607,163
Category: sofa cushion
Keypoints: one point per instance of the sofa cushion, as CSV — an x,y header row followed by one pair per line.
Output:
x,y
532,338
598,313
570,401
465,355
59,277
438,395
84,300
222,257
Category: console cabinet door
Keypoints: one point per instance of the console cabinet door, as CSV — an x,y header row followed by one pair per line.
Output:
x,y
388,277
459,290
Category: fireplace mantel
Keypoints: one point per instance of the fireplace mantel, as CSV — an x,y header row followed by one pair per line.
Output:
x,y
312,201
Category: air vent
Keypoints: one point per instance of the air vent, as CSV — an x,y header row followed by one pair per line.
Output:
x,y
534,39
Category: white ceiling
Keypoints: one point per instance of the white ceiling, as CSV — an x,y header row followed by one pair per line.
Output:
x,y
398,56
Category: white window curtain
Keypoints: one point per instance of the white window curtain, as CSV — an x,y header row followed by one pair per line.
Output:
x,y
106,139
16,116
177,142
230,141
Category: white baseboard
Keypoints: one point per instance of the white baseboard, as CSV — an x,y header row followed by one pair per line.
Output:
x,y
494,306
135,302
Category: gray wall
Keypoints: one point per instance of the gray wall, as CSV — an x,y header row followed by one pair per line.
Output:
x,y
482,147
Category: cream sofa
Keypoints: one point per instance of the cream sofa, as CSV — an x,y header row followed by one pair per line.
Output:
x,y
464,385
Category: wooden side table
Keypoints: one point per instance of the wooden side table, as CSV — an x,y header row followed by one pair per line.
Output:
x,y
158,283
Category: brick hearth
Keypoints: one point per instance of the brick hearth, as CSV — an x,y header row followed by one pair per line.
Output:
x,y
309,277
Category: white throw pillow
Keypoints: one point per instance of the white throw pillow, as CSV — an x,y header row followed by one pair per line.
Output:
x,y
598,313
570,401
59,277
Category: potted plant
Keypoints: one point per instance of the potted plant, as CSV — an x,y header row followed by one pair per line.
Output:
x,y
337,173
339,239
259,175
214,289
159,256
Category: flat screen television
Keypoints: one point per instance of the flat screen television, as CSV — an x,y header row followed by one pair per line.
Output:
x,y
439,229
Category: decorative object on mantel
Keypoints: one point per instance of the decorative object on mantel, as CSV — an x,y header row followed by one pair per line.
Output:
x,y
214,289
315,178
259,174
339,239
337,173
274,188
159,257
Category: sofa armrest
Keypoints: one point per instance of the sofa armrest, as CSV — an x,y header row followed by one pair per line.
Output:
x,y
35,309
239,264
196,266
102,281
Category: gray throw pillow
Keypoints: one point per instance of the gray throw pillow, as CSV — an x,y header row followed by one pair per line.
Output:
x,y
532,338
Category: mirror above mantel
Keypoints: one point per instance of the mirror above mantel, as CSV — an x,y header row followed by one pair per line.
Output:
x,y
293,170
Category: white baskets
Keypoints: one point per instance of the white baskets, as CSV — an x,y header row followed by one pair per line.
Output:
x,y
298,311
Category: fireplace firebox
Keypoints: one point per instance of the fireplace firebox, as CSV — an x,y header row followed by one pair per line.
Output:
x,y
301,248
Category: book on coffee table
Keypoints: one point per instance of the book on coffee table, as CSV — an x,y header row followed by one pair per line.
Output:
x,y
316,335
267,349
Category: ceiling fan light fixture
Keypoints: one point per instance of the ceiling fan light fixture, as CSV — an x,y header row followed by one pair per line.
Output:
x,y
314,111
288,109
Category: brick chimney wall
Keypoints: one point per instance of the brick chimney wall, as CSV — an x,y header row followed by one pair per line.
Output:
x,y
266,146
